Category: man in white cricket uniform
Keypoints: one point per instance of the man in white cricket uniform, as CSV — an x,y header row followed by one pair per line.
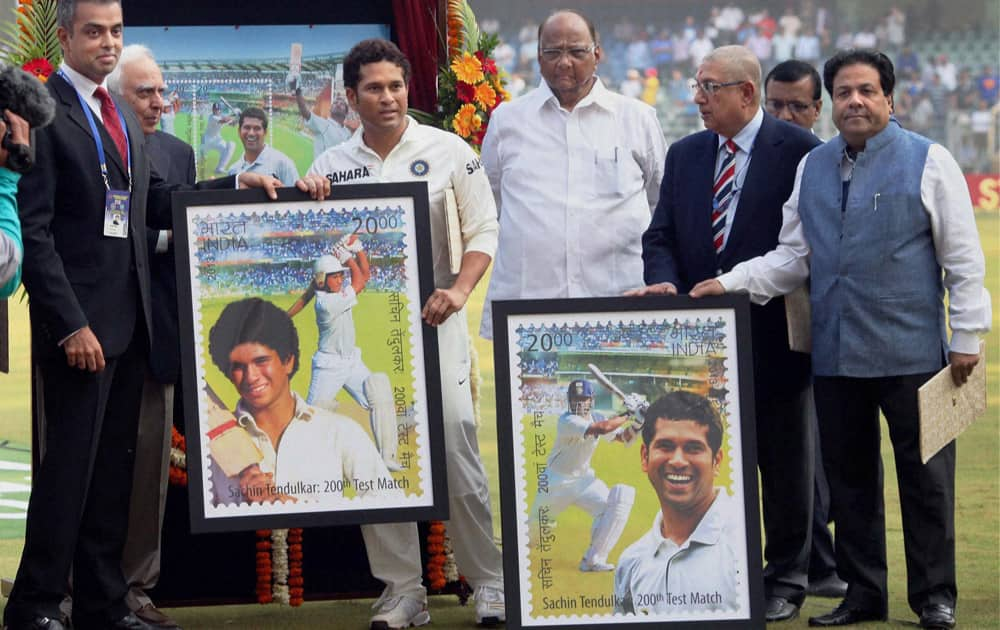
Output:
x,y
327,132
258,157
576,170
572,481
688,561
393,147
337,362
212,139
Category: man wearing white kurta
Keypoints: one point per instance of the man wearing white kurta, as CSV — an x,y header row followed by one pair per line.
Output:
x,y
576,172
392,147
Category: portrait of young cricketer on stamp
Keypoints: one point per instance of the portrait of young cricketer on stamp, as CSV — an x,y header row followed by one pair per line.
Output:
x,y
329,421
676,565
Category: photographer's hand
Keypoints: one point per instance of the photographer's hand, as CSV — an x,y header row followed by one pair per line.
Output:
x,y
18,132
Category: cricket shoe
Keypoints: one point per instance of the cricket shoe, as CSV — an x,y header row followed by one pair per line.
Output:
x,y
490,610
400,612
588,566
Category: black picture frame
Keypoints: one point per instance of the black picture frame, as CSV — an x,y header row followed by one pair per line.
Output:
x,y
650,345
234,244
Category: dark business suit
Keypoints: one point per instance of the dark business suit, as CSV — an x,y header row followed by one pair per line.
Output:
x,y
75,277
678,248
173,159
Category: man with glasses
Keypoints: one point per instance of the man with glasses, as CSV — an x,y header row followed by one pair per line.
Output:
x,y
881,221
720,203
575,169
792,93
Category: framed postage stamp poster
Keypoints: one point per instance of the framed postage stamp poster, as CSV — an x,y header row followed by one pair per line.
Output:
x,y
627,463
311,385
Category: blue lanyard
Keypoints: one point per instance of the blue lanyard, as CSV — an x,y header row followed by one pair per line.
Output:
x,y
97,137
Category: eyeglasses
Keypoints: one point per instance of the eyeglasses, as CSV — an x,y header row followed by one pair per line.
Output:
x,y
710,87
578,53
773,106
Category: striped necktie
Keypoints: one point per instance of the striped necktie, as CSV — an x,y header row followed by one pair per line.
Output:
x,y
722,194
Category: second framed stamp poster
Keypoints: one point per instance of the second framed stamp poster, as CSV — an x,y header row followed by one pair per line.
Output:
x,y
628,475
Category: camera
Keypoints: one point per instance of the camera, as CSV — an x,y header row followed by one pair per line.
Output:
x,y
27,97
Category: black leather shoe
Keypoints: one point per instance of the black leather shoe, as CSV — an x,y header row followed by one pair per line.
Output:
x,y
780,609
829,586
937,616
40,623
844,615
129,622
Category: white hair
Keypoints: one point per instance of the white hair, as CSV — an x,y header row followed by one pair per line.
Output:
x,y
740,65
129,54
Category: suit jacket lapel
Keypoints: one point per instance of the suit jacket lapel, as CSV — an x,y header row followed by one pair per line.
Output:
x,y
704,162
755,182
68,95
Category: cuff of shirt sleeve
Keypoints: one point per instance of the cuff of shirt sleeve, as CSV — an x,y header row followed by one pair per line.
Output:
x,y
732,281
483,244
964,342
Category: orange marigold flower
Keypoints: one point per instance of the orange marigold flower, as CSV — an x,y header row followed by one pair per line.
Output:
x,y
466,121
486,95
467,68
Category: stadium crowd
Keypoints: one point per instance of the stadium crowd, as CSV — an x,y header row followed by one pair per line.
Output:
x,y
954,103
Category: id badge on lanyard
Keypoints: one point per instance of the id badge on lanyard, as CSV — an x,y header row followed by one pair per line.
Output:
x,y
117,203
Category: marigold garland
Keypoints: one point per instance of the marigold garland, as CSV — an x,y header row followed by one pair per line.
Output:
x,y
470,86
264,568
178,458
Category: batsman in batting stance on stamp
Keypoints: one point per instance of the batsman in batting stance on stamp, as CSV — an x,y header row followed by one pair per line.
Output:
x,y
571,479
337,362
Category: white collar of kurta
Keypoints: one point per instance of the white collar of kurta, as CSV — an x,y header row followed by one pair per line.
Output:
x,y
357,141
598,95
82,84
303,411
748,134
708,531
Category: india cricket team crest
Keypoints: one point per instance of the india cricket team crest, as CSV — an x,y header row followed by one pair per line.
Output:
x,y
314,383
622,423
419,168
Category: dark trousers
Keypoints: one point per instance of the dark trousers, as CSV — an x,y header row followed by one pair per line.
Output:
x,y
849,423
785,459
78,509
822,559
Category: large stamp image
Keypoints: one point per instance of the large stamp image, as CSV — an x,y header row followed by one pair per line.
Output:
x,y
289,77
630,494
309,367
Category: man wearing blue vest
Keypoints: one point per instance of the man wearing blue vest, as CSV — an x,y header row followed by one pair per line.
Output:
x,y
876,215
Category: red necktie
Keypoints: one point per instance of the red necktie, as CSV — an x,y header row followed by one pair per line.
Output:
x,y
109,113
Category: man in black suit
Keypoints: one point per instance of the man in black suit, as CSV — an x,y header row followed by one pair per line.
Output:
x,y
138,80
720,203
86,273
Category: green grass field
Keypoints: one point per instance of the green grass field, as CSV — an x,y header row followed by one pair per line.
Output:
x,y
977,505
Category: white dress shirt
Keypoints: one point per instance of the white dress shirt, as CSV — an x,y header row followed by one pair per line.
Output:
x,y
575,191
945,197
744,151
318,451
705,573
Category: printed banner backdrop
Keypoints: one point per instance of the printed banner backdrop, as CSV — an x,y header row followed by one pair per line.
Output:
x,y
566,493
361,343
212,74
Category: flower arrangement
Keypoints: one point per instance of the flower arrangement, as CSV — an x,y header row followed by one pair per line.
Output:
x,y
178,459
30,40
470,86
